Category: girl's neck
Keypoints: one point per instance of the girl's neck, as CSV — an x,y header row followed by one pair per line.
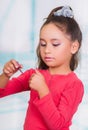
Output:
x,y
59,71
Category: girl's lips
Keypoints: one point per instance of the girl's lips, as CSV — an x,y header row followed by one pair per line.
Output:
x,y
48,58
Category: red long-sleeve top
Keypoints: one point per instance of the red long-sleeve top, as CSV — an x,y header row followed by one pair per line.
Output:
x,y
55,110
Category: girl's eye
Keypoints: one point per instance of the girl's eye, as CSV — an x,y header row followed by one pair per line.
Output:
x,y
56,44
42,44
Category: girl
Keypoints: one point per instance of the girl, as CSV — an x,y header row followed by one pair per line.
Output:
x,y
56,91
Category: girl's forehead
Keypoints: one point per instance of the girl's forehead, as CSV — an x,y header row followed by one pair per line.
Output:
x,y
57,25
52,31
53,28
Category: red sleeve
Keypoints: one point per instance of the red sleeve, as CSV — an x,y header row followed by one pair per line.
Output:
x,y
18,84
56,117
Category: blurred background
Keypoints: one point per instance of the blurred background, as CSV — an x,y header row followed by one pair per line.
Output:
x,y
20,22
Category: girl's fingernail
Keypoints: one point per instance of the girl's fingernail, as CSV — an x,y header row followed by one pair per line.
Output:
x,y
17,66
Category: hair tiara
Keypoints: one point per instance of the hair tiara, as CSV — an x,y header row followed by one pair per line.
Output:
x,y
65,11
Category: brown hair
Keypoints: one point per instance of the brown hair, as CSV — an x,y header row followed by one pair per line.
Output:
x,y
70,27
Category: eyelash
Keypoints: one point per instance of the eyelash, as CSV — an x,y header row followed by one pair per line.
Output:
x,y
55,45
42,44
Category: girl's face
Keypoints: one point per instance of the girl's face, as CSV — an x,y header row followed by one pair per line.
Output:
x,y
56,48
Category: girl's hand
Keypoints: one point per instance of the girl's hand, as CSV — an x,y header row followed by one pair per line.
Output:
x,y
37,82
11,67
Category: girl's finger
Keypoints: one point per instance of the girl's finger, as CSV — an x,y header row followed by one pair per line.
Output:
x,y
16,64
37,72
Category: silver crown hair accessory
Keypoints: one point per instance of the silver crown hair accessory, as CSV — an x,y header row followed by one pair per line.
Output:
x,y
65,11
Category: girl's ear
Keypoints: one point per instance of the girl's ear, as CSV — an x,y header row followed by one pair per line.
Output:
x,y
74,47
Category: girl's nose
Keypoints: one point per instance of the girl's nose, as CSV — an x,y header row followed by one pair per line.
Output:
x,y
47,49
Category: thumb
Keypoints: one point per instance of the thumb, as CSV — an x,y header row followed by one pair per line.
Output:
x,y
37,72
